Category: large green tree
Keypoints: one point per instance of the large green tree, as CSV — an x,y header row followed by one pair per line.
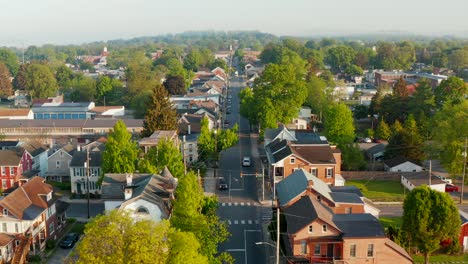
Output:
x,y
165,154
339,124
6,88
160,114
450,130
423,101
121,151
212,142
429,218
10,60
406,142
400,90
20,81
129,241
383,130
453,89
175,85
340,57
40,81
103,87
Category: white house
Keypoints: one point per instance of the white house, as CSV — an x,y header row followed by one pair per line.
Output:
x,y
416,179
80,183
14,114
146,196
401,164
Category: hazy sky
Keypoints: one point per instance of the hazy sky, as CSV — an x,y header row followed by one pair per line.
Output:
x,y
25,22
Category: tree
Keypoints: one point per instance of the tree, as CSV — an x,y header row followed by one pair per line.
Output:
x,y
206,143
40,81
139,103
406,142
423,101
219,63
10,60
339,124
192,60
211,144
5,83
165,154
121,151
400,90
247,105
383,130
458,59
353,158
450,130
354,70
20,81
64,76
453,89
430,217
103,87
83,88
160,114
188,216
185,248
340,57
175,85
125,240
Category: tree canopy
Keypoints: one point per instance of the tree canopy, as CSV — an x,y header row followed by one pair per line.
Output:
x,y
339,124
429,218
160,115
40,81
6,88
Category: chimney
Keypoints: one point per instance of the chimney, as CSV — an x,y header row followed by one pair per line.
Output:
x,y
128,190
189,130
129,178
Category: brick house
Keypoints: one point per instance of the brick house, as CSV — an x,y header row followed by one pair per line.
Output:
x,y
339,199
317,235
291,150
28,217
464,231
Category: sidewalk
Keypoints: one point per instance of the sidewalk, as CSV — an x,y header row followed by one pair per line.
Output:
x,y
264,194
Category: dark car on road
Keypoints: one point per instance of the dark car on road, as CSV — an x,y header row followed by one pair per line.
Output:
x,y
69,240
222,185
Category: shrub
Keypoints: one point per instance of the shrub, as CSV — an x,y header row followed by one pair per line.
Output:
x,y
51,244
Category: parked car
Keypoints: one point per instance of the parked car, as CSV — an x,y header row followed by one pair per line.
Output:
x,y
69,240
246,162
367,140
222,185
451,188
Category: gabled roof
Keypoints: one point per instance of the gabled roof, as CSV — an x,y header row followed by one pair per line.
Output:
x,y
8,143
79,158
377,148
347,189
6,239
463,216
394,246
348,198
297,183
10,157
398,161
34,147
28,200
14,112
303,212
358,225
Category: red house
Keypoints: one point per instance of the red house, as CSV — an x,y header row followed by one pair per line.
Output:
x,y
464,231
12,162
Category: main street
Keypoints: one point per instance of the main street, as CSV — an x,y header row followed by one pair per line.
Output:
x,y
239,206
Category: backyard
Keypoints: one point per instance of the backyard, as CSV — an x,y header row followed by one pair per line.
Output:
x,y
380,190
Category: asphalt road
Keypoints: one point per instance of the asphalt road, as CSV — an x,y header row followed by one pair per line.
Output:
x,y
239,205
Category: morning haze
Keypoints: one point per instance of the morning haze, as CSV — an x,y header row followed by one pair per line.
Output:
x,y
65,22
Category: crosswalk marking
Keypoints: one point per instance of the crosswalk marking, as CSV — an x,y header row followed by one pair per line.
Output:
x,y
242,204
223,204
235,204
250,222
236,222
248,204
242,222
256,222
229,204
238,204
229,222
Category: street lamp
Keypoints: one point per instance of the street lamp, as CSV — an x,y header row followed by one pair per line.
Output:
x,y
269,244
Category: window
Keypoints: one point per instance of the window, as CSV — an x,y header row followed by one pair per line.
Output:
x,y
293,160
313,171
17,242
324,228
304,247
311,229
3,171
12,170
4,184
142,210
16,228
348,210
352,250
190,158
4,227
370,250
317,249
51,228
319,198
77,172
57,163
329,172
61,153
5,211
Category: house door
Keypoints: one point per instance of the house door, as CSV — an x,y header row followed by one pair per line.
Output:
x,y
465,243
330,250
78,187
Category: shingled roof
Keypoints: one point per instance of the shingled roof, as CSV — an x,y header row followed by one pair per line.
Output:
x,y
10,157
28,200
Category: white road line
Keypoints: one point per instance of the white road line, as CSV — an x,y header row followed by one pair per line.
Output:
x,y
223,204
242,222
248,204
256,222
229,204
235,249
229,222
250,222
242,204
236,222
235,204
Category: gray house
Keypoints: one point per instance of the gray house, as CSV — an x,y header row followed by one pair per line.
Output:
x,y
58,164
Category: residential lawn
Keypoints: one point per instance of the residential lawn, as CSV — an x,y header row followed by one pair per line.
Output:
x,y
380,191
388,221
442,258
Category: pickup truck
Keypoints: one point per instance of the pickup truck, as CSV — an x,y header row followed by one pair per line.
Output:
x,y
442,178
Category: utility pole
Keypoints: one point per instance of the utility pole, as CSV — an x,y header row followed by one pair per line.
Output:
x,y
277,234
464,169
430,171
263,183
87,177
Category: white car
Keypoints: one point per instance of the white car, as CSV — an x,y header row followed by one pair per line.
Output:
x,y
246,162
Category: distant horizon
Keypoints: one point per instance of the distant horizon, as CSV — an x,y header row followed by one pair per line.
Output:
x,y
353,35
61,22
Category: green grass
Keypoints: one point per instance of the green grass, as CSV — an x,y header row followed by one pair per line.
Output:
x,y
441,258
388,221
381,191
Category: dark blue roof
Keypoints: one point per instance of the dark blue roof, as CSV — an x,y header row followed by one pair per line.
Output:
x,y
341,197
358,225
347,189
291,187
32,212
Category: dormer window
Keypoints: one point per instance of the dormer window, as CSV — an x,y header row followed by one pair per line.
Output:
x,y
49,196
293,160
5,211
